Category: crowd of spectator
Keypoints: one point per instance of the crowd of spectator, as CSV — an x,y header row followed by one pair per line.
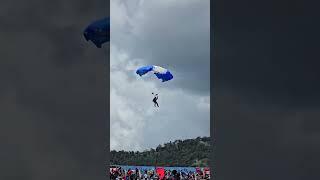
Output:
x,y
119,173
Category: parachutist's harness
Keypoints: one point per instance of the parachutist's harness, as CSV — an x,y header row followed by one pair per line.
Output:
x,y
155,99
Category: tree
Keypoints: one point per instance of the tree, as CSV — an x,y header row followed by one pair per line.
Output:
x,y
189,152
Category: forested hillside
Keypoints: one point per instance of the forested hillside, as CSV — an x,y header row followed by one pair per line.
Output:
x,y
190,152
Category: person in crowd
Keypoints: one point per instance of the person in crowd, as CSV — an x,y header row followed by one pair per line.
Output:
x,y
150,174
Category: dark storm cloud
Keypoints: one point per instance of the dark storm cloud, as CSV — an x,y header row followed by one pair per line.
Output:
x,y
266,91
53,91
275,56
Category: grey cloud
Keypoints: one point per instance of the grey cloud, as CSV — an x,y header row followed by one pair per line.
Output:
x,y
53,91
266,91
174,35
162,33
252,138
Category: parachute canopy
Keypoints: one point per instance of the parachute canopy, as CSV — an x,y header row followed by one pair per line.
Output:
x,y
98,32
160,72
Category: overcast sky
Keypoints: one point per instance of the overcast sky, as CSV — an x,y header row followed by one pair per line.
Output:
x,y
173,34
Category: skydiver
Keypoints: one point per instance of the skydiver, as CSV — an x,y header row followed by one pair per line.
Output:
x,y
155,100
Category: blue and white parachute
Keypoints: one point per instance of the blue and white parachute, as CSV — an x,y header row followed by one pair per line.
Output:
x,y
160,72
98,32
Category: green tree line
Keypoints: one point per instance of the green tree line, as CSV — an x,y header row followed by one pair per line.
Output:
x,y
189,152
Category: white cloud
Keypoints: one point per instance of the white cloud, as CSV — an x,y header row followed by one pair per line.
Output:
x,y
135,123
174,34
183,113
